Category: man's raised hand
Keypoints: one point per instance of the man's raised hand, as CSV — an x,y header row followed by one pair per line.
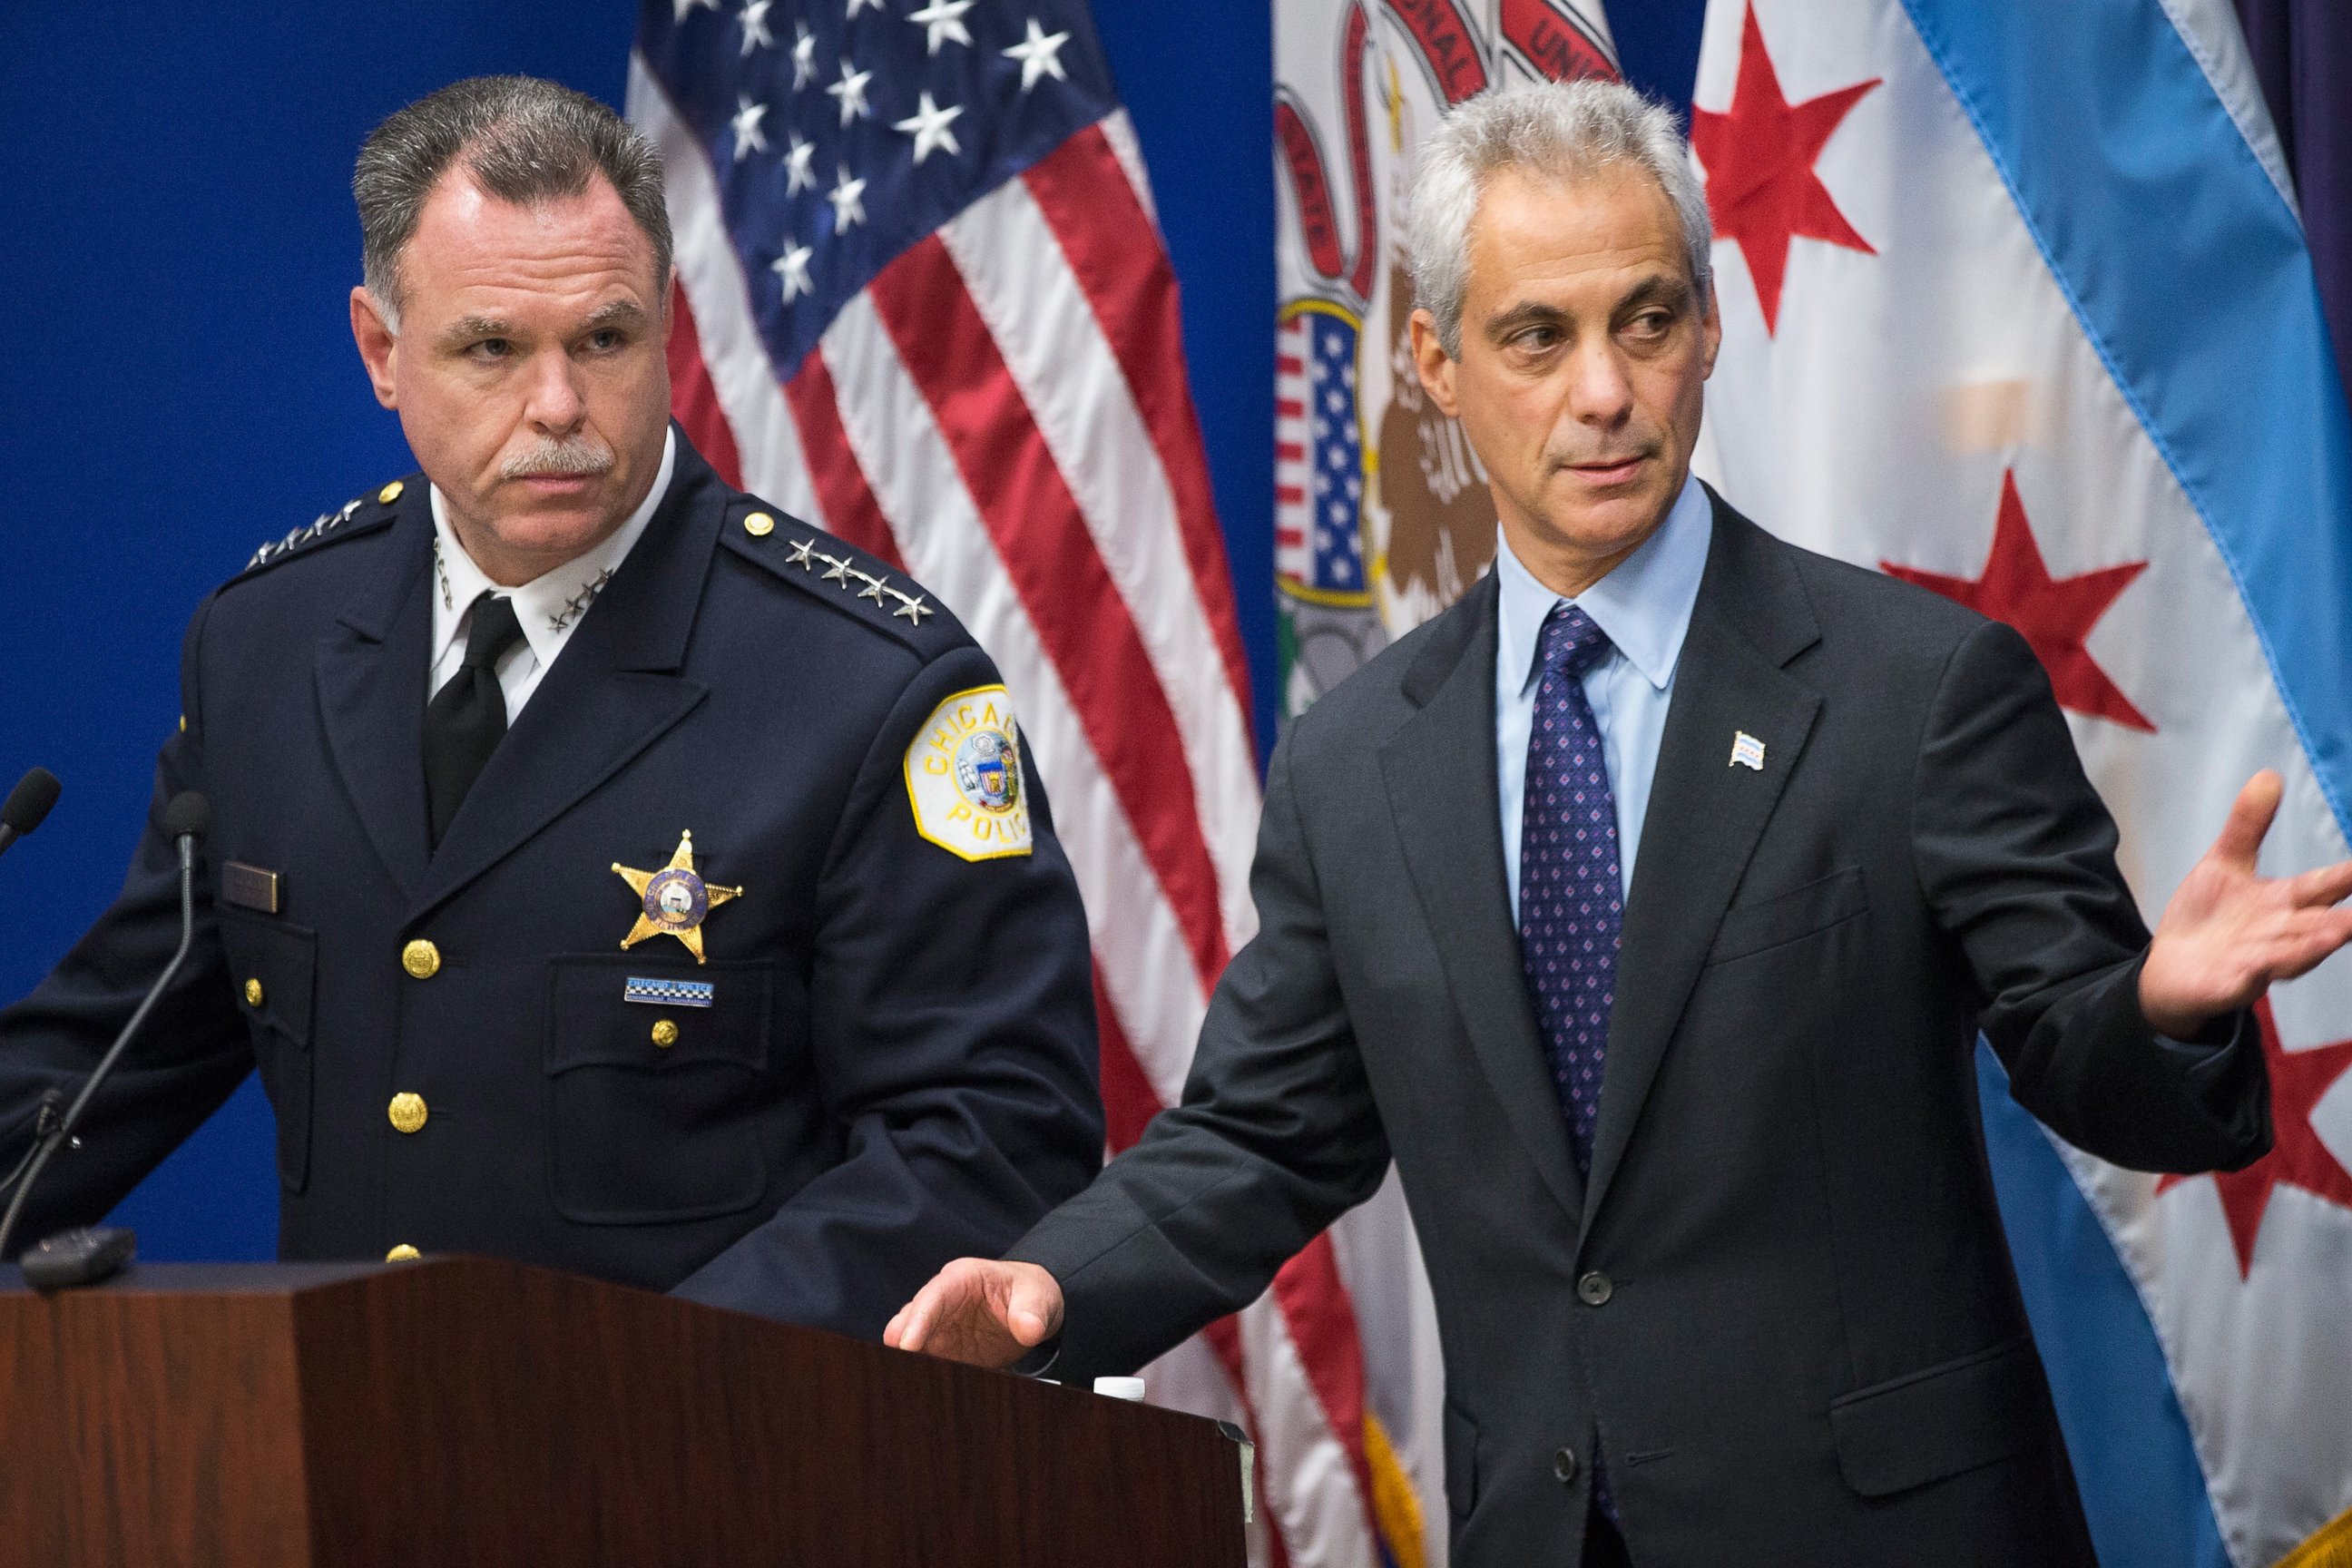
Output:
x,y
989,1314
2228,933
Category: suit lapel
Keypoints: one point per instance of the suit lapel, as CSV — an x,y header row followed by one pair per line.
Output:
x,y
370,679
1439,769
612,691
1705,813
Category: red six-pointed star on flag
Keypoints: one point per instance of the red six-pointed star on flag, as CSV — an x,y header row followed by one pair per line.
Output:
x,y
1761,184
2055,614
2298,1157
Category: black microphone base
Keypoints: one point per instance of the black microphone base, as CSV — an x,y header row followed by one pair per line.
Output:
x,y
80,1257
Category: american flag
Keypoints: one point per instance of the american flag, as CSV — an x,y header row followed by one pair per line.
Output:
x,y
923,303
1319,454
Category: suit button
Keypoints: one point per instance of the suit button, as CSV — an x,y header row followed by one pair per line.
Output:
x,y
407,1112
1594,1290
401,1254
253,992
1563,1466
420,959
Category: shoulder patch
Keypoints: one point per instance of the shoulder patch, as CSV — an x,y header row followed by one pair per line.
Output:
x,y
353,516
829,568
964,778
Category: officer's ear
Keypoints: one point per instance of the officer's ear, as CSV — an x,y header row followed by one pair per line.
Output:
x,y
379,344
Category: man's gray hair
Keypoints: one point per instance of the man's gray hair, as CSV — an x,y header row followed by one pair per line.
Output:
x,y
523,141
1561,131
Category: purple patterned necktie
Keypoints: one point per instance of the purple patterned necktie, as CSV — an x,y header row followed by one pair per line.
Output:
x,y
1572,901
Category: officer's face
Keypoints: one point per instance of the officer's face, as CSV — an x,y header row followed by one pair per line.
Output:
x,y
529,369
1583,368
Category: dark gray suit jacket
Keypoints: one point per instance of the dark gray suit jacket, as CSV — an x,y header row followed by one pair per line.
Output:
x,y
1783,1304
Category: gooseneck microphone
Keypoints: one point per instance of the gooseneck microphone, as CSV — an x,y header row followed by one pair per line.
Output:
x,y
26,805
186,821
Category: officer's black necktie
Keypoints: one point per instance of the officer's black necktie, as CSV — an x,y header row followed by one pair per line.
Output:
x,y
466,718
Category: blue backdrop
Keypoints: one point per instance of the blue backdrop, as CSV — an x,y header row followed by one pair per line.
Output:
x,y
178,381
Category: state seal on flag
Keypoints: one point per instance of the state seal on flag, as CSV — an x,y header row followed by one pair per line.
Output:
x,y
964,779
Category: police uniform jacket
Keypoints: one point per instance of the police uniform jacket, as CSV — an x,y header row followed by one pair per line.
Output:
x,y
895,1062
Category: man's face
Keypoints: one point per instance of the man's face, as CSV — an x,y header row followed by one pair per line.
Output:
x,y
529,369
1584,361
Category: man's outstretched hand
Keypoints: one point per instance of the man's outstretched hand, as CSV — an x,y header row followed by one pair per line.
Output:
x,y
2227,933
989,1314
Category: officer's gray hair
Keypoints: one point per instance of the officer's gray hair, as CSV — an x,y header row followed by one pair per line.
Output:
x,y
1561,131
523,141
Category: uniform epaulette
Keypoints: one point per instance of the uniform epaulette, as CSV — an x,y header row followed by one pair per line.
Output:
x,y
833,570
352,518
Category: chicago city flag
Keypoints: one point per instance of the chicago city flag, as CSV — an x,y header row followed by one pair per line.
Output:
x,y
2017,306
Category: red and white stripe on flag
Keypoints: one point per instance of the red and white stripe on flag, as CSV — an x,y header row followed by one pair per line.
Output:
x,y
1294,467
1003,413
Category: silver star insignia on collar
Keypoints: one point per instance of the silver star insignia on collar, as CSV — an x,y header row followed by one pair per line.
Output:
x,y
839,568
873,589
801,553
911,606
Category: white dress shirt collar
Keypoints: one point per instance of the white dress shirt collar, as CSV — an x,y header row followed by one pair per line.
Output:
x,y
550,604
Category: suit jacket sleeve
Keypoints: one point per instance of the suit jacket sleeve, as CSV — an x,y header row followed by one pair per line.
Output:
x,y
952,1010
1277,1136
193,1050
2016,858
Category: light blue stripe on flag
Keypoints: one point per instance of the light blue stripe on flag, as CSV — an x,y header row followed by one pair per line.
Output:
x,y
2142,1487
2190,275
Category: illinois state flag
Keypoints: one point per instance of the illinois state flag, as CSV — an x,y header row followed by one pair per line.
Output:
x,y
2017,305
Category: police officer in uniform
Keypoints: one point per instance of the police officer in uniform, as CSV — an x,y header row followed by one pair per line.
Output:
x,y
608,870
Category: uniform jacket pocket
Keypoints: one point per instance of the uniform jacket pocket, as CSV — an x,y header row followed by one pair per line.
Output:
x,y
653,1108
1751,926
1941,1421
274,967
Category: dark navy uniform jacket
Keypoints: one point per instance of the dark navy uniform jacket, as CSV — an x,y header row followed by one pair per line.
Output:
x,y
898,1064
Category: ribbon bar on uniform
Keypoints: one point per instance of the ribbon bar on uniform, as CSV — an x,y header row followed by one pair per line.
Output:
x,y
669,993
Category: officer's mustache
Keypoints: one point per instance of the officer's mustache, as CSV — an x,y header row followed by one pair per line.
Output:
x,y
575,455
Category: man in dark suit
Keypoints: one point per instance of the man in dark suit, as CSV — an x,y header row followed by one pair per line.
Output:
x,y
587,876
1689,1135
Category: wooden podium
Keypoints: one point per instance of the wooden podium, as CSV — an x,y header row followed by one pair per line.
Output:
x,y
462,1411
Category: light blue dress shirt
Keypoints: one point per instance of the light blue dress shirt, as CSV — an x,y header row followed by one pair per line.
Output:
x,y
1644,606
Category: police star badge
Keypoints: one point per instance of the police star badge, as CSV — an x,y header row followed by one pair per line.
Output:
x,y
676,899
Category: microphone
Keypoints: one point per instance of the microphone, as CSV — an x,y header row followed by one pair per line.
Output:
x,y
185,822
28,803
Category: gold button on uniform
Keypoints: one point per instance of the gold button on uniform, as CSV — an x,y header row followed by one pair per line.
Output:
x,y
253,992
391,492
665,1033
407,1112
420,959
401,1254
759,525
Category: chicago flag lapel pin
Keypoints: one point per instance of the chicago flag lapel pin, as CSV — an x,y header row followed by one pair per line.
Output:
x,y
1746,750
